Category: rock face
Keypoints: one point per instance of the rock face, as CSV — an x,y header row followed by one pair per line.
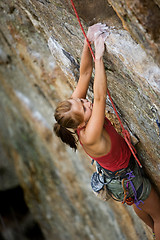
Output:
x,y
56,182
142,19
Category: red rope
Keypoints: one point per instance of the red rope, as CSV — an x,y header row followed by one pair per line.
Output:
x,y
124,131
83,30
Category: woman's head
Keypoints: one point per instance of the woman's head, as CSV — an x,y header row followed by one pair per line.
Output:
x,y
72,114
83,107
66,116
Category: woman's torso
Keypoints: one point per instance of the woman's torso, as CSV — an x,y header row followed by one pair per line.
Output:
x,y
112,153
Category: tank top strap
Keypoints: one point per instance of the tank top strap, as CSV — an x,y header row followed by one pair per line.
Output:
x,y
107,122
79,129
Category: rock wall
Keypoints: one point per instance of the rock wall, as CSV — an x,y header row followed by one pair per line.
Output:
x,y
142,19
34,37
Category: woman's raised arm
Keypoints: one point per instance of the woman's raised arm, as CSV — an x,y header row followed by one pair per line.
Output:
x,y
86,65
94,128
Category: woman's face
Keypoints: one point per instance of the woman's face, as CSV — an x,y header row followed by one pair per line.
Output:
x,y
82,106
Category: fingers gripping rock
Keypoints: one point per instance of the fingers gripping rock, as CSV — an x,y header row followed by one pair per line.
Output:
x,y
99,47
96,30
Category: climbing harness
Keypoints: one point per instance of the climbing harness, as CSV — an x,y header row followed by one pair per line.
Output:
x,y
103,177
124,131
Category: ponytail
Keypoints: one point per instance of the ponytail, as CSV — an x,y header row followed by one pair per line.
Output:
x,y
66,118
66,135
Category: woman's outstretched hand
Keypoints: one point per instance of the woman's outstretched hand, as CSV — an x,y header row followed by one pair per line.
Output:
x,y
95,30
99,44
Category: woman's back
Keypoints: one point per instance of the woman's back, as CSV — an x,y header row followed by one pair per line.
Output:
x,y
111,151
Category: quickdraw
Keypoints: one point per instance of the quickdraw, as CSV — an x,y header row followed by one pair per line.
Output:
x,y
129,201
101,178
136,201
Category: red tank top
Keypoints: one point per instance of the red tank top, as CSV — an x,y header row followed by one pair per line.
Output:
x,y
119,155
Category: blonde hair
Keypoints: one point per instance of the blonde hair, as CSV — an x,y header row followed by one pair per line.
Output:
x,y
67,119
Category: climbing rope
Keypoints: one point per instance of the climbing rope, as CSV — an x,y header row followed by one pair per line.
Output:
x,y
124,131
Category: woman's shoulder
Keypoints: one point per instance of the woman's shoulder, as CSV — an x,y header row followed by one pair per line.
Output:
x,y
95,148
80,130
84,138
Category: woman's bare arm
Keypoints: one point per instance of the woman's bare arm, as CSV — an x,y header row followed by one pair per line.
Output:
x,y
86,67
93,131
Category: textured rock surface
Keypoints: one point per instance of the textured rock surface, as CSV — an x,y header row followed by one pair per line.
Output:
x,y
56,181
142,19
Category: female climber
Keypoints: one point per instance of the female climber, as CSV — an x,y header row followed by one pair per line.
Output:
x,y
77,117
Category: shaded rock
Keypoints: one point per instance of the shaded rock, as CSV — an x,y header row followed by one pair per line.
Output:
x,y
8,175
15,218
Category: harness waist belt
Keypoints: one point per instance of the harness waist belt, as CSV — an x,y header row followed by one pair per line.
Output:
x,y
119,173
